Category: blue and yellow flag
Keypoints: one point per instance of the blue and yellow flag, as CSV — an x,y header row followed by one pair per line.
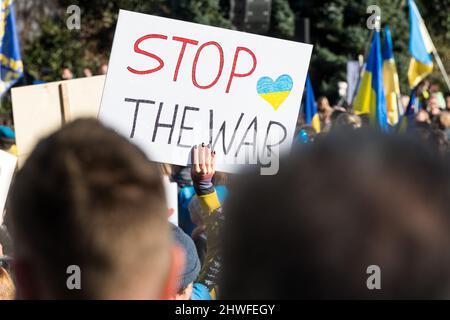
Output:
x,y
390,77
407,121
11,67
370,98
311,115
420,47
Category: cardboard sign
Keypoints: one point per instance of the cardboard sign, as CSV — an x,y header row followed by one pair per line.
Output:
x,y
7,167
353,74
41,109
173,84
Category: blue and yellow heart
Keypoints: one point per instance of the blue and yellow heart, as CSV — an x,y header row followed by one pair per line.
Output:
x,y
275,92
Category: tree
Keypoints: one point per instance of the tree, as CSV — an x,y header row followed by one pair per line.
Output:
x,y
339,34
56,46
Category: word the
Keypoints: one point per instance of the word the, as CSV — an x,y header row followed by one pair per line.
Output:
x,y
185,42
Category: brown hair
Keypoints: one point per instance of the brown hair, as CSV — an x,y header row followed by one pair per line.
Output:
x,y
88,197
348,201
444,120
7,290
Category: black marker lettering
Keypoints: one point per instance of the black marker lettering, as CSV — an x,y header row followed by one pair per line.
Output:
x,y
222,130
136,112
183,127
164,125
269,146
254,124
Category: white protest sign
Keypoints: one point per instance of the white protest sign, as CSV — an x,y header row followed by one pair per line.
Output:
x,y
173,84
7,167
171,190
353,69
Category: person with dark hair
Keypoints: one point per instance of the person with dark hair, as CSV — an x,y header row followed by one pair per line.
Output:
x,y
434,138
66,74
340,209
346,121
444,123
88,199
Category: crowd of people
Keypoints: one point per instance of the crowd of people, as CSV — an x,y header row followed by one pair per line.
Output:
x,y
67,73
345,199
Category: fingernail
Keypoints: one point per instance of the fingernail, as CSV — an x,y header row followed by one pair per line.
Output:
x,y
203,144
214,153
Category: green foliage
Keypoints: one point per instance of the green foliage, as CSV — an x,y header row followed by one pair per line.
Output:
x,y
89,47
338,32
56,48
282,20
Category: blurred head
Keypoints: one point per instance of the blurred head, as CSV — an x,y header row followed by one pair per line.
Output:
x,y
87,72
447,102
433,138
191,269
434,88
7,290
444,120
96,203
346,120
433,105
323,104
103,69
422,116
66,74
347,202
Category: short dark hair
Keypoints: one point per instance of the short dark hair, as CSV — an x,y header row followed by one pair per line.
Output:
x,y
348,201
88,197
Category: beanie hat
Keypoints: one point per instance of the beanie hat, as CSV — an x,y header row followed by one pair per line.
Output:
x,y
192,262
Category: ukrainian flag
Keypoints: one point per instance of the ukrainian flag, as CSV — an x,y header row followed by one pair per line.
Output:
x,y
390,77
420,47
311,115
370,98
407,122
11,67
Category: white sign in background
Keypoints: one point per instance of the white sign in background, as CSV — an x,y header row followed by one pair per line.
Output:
x,y
173,84
7,166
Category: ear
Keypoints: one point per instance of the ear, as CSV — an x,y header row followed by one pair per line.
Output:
x,y
177,260
26,286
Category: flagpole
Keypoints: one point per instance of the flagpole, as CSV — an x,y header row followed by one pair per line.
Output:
x,y
441,66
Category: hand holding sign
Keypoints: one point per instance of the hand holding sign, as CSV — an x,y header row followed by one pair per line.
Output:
x,y
203,167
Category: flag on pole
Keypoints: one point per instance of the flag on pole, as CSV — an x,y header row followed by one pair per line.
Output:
x,y
11,67
420,47
390,77
370,98
407,121
311,115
